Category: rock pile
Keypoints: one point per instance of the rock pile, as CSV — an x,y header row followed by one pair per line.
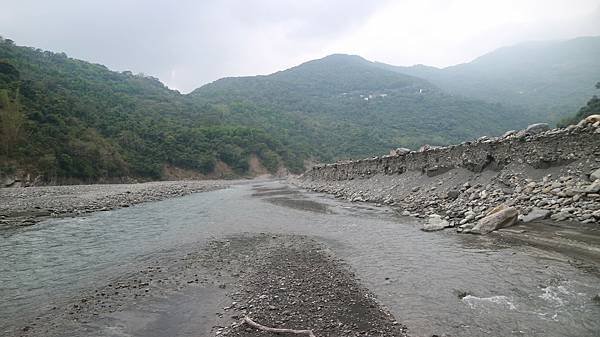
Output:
x,y
553,173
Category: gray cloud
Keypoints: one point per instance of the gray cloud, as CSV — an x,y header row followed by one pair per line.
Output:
x,y
184,43
188,43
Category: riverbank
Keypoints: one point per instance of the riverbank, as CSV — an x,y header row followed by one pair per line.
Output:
x,y
284,281
540,174
27,206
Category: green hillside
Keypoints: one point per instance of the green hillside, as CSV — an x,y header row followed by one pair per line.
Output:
x,y
345,106
550,79
66,118
84,121
591,108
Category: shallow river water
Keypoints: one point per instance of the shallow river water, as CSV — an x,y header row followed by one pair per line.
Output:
x,y
512,290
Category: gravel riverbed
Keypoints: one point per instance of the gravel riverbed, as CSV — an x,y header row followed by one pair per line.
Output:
x,y
197,265
27,206
283,281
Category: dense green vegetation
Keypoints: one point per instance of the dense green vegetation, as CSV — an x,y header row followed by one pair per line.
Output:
x,y
345,106
549,79
591,108
66,118
84,121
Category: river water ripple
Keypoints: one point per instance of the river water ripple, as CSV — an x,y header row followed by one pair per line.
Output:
x,y
442,283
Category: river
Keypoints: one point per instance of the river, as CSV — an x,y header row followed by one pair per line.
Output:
x,y
442,282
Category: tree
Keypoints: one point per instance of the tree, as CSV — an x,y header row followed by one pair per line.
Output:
x,y
12,121
591,108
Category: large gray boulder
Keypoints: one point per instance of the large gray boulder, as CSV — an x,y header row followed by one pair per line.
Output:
x,y
8,181
508,134
435,223
499,217
594,187
537,128
592,119
399,151
424,148
535,214
452,194
595,175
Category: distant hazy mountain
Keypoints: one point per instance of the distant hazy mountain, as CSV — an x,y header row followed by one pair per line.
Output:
x,y
551,79
344,105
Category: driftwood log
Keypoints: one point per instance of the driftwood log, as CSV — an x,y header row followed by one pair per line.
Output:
x,y
252,323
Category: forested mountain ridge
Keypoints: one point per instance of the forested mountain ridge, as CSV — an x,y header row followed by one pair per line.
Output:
x,y
591,108
345,106
549,79
83,121
72,119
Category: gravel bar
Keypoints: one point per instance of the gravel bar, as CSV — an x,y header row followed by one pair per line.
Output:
x,y
283,281
27,206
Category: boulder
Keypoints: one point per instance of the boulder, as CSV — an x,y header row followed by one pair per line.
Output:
x,y
508,133
560,216
424,148
10,182
399,151
428,147
452,194
594,187
595,175
592,119
435,223
465,228
536,128
499,217
535,214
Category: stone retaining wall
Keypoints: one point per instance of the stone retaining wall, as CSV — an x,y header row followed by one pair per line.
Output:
x,y
553,174
552,148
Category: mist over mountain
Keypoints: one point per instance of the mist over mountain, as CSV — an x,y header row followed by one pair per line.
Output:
x,y
550,79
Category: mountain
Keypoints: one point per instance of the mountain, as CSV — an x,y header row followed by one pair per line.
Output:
x,y
591,108
77,120
67,119
550,79
345,106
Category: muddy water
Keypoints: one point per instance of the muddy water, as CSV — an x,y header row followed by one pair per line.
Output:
x,y
435,283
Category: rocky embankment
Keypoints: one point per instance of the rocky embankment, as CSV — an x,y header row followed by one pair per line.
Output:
x,y
531,174
27,206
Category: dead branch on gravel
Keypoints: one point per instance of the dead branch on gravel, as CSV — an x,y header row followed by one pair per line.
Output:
x,y
250,322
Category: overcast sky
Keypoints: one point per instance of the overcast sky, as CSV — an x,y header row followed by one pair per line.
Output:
x,y
188,43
